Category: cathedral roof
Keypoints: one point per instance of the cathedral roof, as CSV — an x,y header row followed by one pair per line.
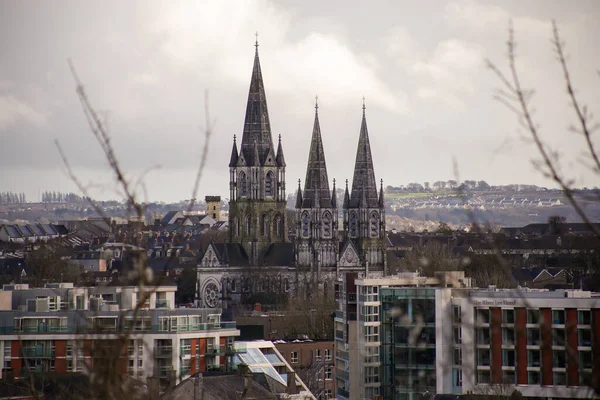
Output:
x,y
364,187
257,128
316,184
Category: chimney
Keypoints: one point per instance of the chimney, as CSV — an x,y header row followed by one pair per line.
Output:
x,y
291,383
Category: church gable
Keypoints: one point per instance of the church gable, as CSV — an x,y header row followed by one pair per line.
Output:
x,y
349,256
211,257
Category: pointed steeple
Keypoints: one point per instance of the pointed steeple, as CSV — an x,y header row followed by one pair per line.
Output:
x,y
333,196
279,158
299,196
346,196
256,155
316,185
256,125
234,154
364,185
381,199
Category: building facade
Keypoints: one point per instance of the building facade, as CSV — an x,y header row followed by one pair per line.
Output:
x,y
414,336
62,328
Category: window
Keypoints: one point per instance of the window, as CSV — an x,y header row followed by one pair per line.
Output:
x,y
560,378
353,225
278,226
372,333
186,347
305,224
456,314
558,337
140,363
483,357
327,354
374,224
457,377
7,353
294,357
533,316
508,376
318,354
533,336
328,393
457,335
558,317
242,184
371,374
457,356
533,358
328,374
533,377
508,336
269,184
508,316
327,224
559,359
265,225
508,358
483,336
584,317
482,315
585,360
585,337
483,376
247,225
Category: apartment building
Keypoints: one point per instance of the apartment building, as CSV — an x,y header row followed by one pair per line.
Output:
x,y
62,328
313,361
411,336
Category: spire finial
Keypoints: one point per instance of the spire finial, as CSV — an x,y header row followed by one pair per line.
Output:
x,y
333,181
280,137
364,107
381,182
256,42
234,137
316,103
346,183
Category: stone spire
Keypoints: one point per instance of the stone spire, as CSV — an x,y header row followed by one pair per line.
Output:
x,y
333,196
234,154
364,186
346,196
316,184
381,199
279,158
299,196
257,128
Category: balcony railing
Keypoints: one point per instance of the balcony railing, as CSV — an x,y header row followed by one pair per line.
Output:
x,y
83,328
36,352
163,351
162,303
213,350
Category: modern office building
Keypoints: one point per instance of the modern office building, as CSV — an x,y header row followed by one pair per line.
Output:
x,y
411,336
63,328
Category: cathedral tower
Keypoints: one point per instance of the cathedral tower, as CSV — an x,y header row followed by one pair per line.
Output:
x,y
257,202
364,210
316,242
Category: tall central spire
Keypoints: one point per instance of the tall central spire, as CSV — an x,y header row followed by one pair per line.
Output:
x,y
316,184
364,186
257,128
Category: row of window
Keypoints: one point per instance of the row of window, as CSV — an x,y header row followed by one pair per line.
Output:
x,y
327,354
278,228
559,378
534,358
559,336
242,184
483,316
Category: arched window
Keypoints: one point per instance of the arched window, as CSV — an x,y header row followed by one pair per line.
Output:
x,y
305,224
353,225
374,222
247,225
264,222
327,222
269,184
242,184
278,226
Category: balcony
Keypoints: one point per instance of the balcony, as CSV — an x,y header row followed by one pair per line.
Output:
x,y
213,350
162,303
37,352
342,355
163,351
344,375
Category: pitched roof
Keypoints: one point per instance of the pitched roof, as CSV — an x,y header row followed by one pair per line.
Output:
x,y
316,185
364,187
257,128
278,255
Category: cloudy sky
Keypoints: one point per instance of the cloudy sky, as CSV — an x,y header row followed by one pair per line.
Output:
x,y
146,66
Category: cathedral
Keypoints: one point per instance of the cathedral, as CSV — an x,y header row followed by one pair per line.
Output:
x,y
266,255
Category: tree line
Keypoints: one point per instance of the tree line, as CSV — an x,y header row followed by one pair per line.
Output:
x,y
12,198
58,197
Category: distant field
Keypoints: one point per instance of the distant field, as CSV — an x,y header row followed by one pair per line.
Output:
x,y
407,195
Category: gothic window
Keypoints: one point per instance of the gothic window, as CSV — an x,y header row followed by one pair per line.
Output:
x,y
353,225
278,226
269,184
242,184
247,225
236,227
327,222
233,288
265,225
305,224
374,224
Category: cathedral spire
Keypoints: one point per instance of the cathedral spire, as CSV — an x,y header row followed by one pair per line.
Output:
x,y
381,199
299,196
333,196
346,196
364,186
316,184
257,127
234,154
279,157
